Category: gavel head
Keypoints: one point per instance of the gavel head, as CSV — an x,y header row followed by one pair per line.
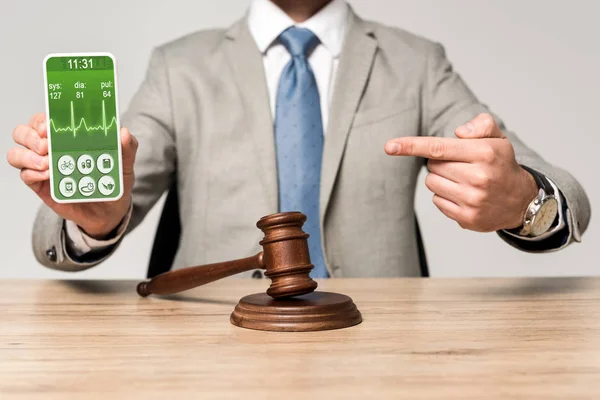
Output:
x,y
285,254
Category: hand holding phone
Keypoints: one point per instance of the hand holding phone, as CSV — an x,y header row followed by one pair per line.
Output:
x,y
97,218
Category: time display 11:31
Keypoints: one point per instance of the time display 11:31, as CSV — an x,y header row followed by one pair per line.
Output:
x,y
80,63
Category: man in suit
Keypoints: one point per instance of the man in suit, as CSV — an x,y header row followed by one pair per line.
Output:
x,y
302,105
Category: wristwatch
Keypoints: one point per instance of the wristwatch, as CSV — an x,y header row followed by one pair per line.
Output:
x,y
542,212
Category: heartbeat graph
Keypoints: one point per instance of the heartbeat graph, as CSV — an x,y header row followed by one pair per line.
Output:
x,y
84,125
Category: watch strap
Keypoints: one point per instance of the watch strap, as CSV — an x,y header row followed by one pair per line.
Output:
x,y
540,180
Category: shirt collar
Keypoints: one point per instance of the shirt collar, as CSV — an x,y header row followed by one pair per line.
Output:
x,y
266,22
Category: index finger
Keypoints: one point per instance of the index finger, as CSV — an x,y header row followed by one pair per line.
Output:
x,y
448,149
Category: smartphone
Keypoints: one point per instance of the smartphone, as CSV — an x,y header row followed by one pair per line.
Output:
x,y
82,117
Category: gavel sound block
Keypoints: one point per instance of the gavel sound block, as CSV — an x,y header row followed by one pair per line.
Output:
x,y
290,303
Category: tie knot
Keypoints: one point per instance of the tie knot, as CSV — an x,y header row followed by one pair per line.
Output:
x,y
299,42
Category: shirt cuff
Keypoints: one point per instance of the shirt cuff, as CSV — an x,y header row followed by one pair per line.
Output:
x,y
79,243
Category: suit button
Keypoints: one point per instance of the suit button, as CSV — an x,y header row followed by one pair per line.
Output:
x,y
257,275
51,254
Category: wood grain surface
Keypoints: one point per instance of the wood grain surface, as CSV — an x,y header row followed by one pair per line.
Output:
x,y
420,339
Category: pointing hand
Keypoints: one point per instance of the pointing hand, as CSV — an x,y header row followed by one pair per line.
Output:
x,y
475,177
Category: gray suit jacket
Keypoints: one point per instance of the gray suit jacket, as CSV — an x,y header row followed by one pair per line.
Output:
x,y
202,115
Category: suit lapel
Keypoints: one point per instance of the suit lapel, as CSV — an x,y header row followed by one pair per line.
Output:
x,y
354,68
248,70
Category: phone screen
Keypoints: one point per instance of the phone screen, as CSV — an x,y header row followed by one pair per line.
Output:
x,y
83,127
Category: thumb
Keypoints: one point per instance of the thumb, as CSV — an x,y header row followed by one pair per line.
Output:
x,y
481,127
129,146
38,122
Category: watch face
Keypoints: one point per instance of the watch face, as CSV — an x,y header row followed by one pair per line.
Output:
x,y
545,217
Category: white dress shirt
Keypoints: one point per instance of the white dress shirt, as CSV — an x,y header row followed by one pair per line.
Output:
x,y
266,22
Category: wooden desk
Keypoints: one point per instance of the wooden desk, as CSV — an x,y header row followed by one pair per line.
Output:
x,y
420,339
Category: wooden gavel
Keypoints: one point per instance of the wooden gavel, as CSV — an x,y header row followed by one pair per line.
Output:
x,y
285,257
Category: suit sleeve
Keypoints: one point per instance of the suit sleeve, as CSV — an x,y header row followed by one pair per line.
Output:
x,y
450,103
150,119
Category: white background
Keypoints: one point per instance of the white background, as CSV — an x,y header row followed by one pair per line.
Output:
x,y
536,63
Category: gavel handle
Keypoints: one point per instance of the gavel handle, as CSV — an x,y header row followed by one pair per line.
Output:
x,y
191,277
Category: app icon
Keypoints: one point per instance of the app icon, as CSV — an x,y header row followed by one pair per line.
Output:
x,y
87,186
66,165
67,187
85,164
106,185
105,163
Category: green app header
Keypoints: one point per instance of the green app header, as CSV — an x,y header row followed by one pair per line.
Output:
x,y
74,64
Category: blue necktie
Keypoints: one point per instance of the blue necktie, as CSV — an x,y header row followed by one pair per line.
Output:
x,y
299,139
